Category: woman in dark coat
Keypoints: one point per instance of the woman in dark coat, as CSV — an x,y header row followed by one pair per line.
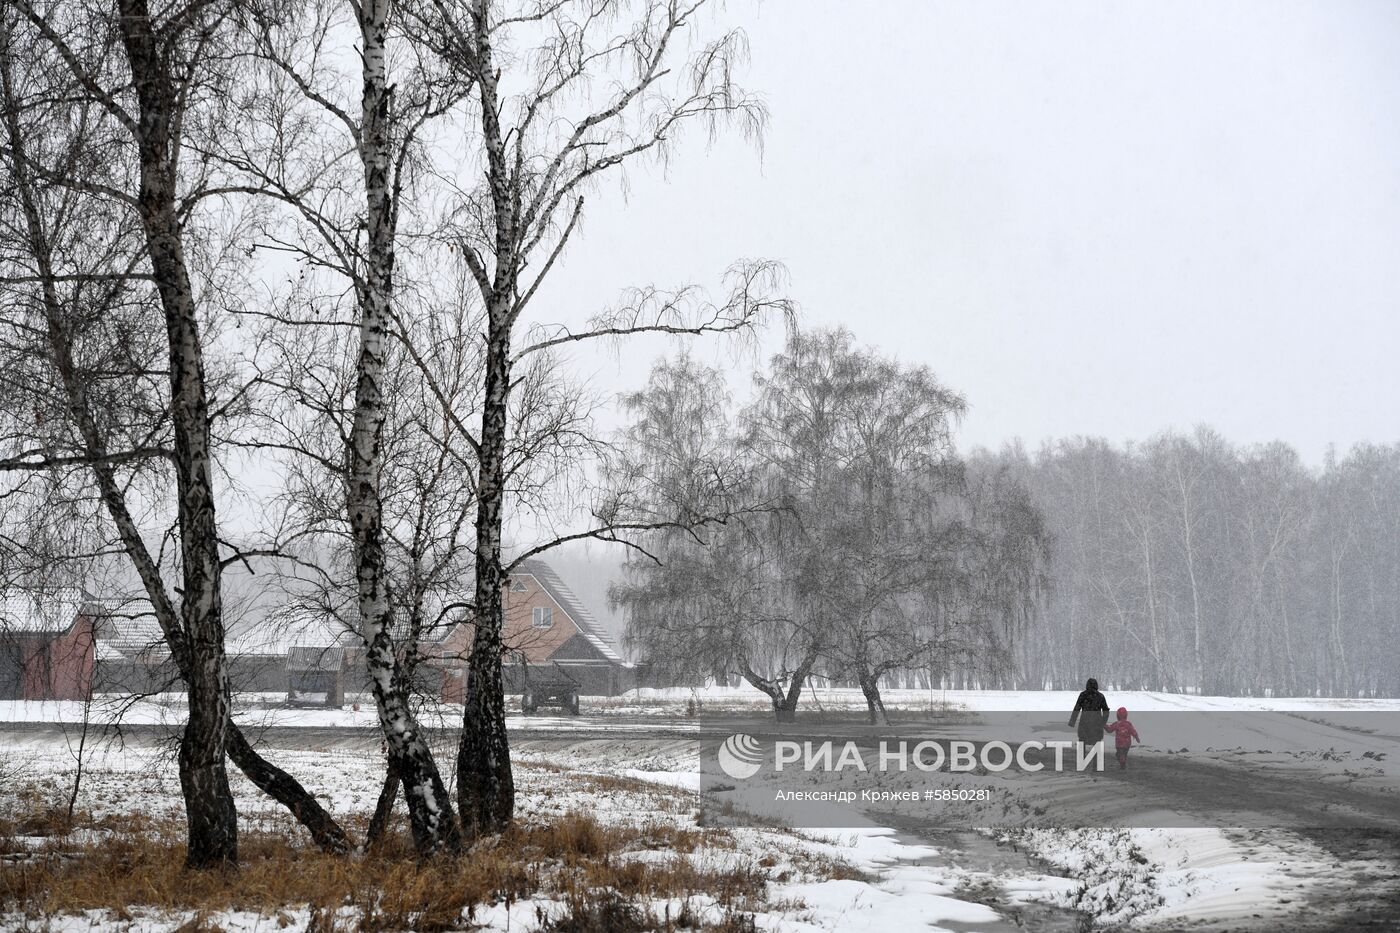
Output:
x,y
1095,709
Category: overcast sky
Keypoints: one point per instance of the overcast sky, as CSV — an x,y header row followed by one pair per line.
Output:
x,y
1100,218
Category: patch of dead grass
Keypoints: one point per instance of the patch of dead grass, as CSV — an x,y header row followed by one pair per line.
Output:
x,y
573,858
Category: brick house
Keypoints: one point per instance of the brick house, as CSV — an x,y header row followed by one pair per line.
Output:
x,y
549,635
47,645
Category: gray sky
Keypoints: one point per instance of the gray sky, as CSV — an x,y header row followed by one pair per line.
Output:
x,y
1088,217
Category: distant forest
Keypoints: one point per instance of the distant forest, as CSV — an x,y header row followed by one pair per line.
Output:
x,y
1189,563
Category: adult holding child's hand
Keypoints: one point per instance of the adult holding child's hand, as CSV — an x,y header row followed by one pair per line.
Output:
x,y
1091,714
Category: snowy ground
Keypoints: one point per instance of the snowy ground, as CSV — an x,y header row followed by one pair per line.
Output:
x,y
680,703
1149,876
672,700
883,870
856,879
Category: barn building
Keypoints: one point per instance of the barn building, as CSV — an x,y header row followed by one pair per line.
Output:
x,y
47,645
549,635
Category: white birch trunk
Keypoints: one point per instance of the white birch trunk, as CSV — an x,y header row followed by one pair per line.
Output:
x,y
430,810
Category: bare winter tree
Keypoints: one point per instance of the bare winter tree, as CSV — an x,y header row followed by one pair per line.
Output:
x,y
307,377
704,601
565,93
864,550
353,218
859,448
342,166
102,227
209,801
308,374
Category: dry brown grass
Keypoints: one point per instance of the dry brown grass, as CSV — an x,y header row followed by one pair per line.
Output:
x,y
589,866
609,912
649,796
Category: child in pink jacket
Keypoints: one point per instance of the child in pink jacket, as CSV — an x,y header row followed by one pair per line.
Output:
x,y
1123,735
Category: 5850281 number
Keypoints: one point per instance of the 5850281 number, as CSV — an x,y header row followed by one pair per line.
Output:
x,y
960,794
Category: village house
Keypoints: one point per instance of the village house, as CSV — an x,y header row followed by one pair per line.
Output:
x,y
272,658
549,636
67,644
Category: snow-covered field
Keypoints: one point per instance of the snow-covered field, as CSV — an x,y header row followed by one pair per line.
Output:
x,y
855,879
671,700
678,703
879,871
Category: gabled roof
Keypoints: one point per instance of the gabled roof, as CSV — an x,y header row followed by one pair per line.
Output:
x,y
41,613
284,632
559,591
305,658
128,628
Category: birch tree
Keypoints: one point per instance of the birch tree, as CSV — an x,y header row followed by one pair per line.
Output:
x,y
307,372
94,149
341,165
860,448
565,94
857,547
704,602
416,359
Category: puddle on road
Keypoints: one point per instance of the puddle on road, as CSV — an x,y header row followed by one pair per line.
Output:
x,y
973,852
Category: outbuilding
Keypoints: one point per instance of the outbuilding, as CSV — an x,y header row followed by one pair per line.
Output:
x,y
47,647
316,676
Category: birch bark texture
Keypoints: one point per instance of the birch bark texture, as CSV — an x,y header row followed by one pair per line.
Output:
x,y
334,139
209,807
150,108
432,819
539,151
